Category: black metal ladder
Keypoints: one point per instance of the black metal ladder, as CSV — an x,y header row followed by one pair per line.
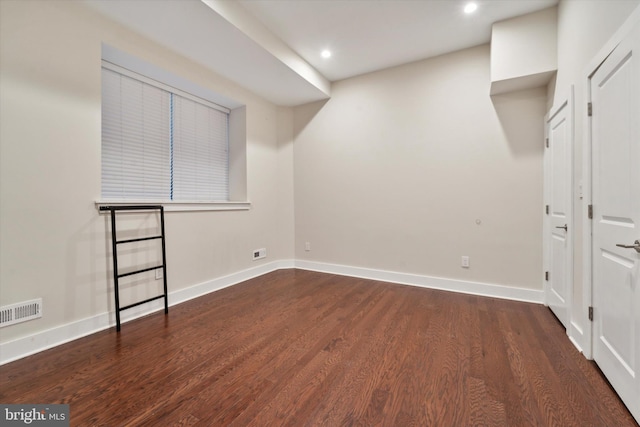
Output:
x,y
115,242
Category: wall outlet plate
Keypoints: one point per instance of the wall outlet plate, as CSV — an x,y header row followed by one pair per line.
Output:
x,y
465,262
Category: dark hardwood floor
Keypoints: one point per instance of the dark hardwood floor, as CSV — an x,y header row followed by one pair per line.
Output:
x,y
301,348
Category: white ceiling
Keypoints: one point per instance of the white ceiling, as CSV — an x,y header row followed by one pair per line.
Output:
x,y
267,45
369,35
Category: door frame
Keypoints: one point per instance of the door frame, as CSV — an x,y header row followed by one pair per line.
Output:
x,y
587,175
565,102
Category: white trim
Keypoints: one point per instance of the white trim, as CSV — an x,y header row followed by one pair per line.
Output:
x,y
226,281
44,340
575,342
546,218
567,101
25,346
577,336
556,109
182,206
587,264
452,285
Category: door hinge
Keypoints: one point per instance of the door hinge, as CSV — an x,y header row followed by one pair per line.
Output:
x,y
546,209
589,109
547,142
591,314
546,276
590,211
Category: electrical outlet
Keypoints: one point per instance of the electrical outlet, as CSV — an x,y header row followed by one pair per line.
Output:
x,y
259,253
158,273
307,246
465,262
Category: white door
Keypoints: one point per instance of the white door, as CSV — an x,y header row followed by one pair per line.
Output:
x,y
559,169
615,130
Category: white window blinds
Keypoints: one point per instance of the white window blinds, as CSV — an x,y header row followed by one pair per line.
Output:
x,y
160,145
200,151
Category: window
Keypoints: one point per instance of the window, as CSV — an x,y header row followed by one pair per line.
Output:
x,y
160,143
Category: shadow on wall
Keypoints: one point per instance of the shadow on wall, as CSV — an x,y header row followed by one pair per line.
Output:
x,y
303,115
514,111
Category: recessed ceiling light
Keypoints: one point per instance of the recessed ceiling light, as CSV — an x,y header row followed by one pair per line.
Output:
x,y
470,7
326,53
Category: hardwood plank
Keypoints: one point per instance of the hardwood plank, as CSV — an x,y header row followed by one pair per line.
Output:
x,y
297,348
369,362
498,375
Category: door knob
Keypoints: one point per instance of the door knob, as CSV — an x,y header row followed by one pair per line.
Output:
x,y
565,227
636,246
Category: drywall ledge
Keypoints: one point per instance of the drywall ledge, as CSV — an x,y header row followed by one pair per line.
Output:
x,y
234,50
237,16
522,83
524,51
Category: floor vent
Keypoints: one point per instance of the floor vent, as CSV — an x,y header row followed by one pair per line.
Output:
x,y
21,312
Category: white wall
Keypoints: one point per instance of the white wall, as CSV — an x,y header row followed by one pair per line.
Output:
x,y
285,185
393,172
583,28
54,244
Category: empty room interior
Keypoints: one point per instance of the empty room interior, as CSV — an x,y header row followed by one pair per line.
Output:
x,y
321,212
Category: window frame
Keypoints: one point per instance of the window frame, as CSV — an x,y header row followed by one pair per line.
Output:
x,y
138,69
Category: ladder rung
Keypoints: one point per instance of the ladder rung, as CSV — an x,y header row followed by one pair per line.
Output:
x,y
131,273
141,302
139,239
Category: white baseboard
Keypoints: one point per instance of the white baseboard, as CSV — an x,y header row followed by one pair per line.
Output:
x,y
26,346
578,339
474,288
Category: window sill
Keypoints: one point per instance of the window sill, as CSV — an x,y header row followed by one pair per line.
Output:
x,y
183,206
